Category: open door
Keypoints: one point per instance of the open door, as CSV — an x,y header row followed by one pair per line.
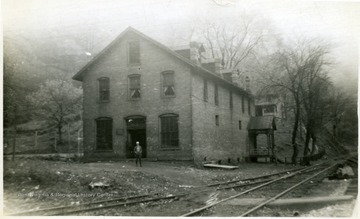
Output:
x,y
136,131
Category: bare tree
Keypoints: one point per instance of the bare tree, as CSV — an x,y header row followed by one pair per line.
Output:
x,y
231,42
345,116
314,88
283,73
15,87
339,104
55,101
300,71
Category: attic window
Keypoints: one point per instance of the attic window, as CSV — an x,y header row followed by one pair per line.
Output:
x,y
134,52
104,89
134,87
168,84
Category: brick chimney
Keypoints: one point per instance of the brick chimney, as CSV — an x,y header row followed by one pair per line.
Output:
x,y
195,52
185,52
212,65
227,75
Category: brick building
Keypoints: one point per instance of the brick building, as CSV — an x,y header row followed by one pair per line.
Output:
x,y
137,89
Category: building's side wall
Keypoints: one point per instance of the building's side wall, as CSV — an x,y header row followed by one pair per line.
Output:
x,y
114,65
226,140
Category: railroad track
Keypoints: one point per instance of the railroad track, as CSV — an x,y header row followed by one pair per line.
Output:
x,y
318,168
284,192
255,183
133,200
353,189
97,205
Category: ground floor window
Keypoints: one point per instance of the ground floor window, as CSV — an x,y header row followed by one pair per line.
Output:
x,y
169,130
104,134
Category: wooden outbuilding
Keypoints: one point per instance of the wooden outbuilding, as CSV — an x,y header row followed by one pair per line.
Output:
x,y
261,125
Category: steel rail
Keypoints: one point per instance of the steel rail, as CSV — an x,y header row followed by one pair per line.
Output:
x,y
81,208
257,177
147,200
247,191
64,208
286,191
258,182
116,205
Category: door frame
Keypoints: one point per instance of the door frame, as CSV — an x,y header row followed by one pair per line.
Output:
x,y
128,146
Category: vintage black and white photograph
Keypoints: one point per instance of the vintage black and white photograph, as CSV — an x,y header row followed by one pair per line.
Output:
x,y
179,108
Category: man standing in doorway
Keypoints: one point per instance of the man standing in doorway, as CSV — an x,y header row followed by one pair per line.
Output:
x,y
138,153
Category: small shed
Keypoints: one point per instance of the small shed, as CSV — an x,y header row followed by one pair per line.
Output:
x,y
259,125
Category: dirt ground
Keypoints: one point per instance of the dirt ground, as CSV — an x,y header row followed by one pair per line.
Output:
x,y
31,184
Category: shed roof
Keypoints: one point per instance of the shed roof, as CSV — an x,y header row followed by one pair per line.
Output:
x,y
262,123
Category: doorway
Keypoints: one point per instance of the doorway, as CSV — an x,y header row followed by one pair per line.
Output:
x,y
136,131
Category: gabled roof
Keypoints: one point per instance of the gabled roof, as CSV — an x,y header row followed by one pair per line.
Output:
x,y
262,123
79,75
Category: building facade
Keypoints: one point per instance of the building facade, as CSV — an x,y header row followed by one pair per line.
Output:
x,y
137,89
270,105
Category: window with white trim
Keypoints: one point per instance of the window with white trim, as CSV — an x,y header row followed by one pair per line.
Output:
x,y
168,84
134,87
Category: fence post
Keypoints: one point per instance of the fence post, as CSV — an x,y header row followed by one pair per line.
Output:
x,y
79,141
36,139
78,146
55,147
14,144
69,138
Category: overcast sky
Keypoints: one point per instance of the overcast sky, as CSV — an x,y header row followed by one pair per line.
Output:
x,y
338,22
